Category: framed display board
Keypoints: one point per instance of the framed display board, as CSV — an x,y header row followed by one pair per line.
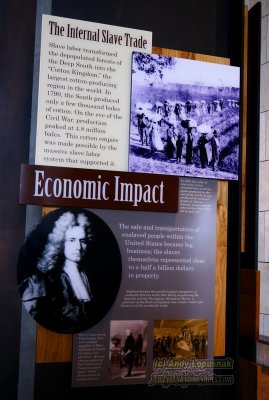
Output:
x,y
59,347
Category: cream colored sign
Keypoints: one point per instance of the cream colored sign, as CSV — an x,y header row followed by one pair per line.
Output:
x,y
84,93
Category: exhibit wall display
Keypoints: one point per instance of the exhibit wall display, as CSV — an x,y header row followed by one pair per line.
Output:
x,y
128,264
69,118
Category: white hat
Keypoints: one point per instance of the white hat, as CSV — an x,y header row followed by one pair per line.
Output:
x,y
204,128
155,117
147,106
192,123
139,108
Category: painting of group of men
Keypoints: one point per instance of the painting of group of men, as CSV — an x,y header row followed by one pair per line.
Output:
x,y
181,339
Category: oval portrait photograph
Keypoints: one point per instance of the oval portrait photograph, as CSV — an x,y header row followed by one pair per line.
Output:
x,y
69,270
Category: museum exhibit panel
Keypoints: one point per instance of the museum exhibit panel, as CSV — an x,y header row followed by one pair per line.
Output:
x,y
132,270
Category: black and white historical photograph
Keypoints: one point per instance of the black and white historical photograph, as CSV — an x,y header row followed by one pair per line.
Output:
x,y
69,270
180,338
184,117
128,348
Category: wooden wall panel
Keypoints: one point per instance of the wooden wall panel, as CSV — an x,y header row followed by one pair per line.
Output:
x,y
249,303
221,270
54,347
250,380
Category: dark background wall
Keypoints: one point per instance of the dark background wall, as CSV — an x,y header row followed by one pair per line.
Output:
x,y
212,27
17,32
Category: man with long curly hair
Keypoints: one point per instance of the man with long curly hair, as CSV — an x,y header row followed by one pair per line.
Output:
x,y
60,291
